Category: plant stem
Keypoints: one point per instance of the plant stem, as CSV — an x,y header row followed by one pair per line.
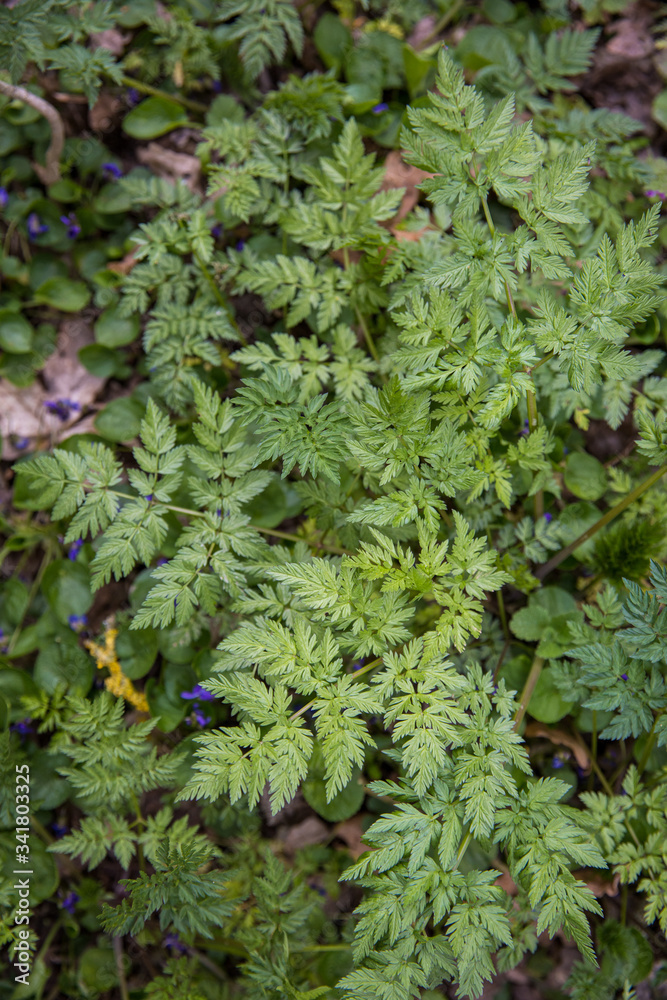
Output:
x,y
297,538
370,343
220,298
528,688
120,967
441,24
556,560
650,741
40,830
51,172
208,964
531,402
357,673
145,88
465,844
34,589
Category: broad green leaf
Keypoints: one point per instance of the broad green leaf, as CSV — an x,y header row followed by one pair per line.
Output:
x,y
154,117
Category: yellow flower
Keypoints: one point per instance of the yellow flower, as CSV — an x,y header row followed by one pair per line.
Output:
x,y
116,683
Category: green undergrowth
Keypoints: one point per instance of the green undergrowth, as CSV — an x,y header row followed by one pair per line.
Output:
x,y
335,640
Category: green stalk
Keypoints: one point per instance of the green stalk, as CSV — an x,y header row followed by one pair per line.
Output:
x,y
120,967
610,515
145,88
531,401
650,742
528,688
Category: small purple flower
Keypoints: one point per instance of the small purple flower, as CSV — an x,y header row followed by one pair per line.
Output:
x,y
201,719
216,86
149,497
655,194
73,227
218,512
77,622
525,430
21,443
4,198
379,108
358,665
62,408
112,170
132,96
624,677
35,226
75,548
162,561
548,517
174,942
216,231
4,642
60,831
198,692
70,901
556,762
240,245
23,728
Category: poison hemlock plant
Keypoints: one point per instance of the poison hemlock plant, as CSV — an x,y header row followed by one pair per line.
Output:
x,y
399,435
366,440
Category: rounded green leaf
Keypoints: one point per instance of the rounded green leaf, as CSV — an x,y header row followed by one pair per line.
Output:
x,y
63,294
585,476
137,650
98,360
64,666
16,333
120,420
547,704
114,330
112,200
332,40
66,586
345,804
15,684
44,878
154,117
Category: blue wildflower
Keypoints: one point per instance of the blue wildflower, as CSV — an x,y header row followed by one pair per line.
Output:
x,y
216,231
35,226
70,901
525,431
77,622
23,728
655,194
112,170
132,96
548,517
201,719
149,497
379,108
62,408
240,245
4,198
556,762
174,942
624,677
75,548
21,443
198,692
59,830
72,225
